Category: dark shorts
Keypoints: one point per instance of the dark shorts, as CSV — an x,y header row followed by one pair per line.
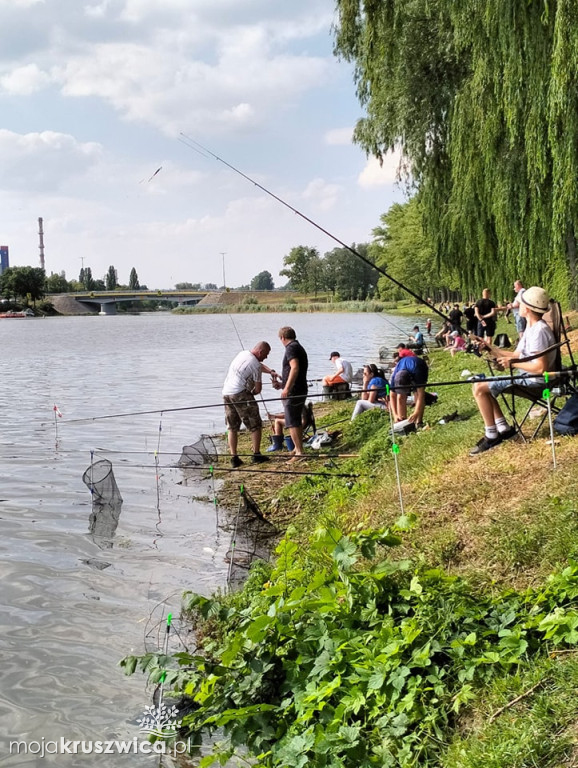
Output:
x,y
293,409
489,328
404,381
242,408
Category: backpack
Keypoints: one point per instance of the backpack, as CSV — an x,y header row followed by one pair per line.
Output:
x,y
566,422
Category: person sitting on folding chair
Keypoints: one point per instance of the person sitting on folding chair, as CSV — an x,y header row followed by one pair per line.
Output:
x,y
537,338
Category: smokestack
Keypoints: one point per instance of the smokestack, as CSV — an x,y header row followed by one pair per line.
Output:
x,y
41,242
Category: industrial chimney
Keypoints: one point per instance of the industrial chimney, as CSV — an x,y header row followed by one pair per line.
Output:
x,y
41,242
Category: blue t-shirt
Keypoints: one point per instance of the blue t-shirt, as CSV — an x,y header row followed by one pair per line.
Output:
x,y
380,384
418,339
416,366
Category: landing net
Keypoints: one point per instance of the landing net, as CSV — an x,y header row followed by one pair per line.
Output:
x,y
204,451
99,479
252,538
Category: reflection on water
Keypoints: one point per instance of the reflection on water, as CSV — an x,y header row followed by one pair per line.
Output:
x,y
75,601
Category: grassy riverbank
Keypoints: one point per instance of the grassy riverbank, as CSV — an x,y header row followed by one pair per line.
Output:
x,y
410,625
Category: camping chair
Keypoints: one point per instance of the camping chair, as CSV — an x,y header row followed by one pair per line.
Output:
x,y
561,381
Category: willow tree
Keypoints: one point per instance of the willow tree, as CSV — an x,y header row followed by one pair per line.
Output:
x,y
480,97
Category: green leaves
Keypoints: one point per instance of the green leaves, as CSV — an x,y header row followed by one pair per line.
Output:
x,y
331,658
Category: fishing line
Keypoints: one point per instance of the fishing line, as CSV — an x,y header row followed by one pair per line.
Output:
x,y
195,146
395,452
234,540
546,396
166,650
256,471
429,385
156,455
397,328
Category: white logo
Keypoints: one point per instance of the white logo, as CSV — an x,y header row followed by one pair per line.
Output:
x,y
160,721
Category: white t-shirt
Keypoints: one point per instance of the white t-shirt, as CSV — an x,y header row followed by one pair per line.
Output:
x,y
517,301
537,338
244,372
347,373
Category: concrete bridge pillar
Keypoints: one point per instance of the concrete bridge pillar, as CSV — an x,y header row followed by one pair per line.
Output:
x,y
108,308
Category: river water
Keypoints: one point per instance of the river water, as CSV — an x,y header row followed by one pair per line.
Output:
x,y
72,604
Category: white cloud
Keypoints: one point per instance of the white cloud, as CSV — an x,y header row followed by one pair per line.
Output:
x,y
322,194
378,175
24,80
20,3
339,137
43,161
97,11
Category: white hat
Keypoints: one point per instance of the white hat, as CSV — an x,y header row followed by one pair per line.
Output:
x,y
536,299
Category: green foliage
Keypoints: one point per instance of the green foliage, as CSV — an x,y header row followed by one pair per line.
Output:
x,y
133,282
263,282
23,283
339,271
402,249
111,279
480,99
338,657
297,264
57,283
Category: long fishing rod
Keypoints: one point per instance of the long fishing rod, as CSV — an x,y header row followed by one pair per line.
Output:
x,y
429,385
196,147
397,328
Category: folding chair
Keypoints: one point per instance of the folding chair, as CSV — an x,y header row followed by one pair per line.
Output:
x,y
561,381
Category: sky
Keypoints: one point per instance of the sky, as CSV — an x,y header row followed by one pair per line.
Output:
x,y
96,95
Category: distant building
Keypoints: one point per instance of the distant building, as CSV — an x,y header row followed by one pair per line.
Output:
x,y
4,261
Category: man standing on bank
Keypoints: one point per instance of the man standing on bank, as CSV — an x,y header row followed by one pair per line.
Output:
x,y
243,382
293,385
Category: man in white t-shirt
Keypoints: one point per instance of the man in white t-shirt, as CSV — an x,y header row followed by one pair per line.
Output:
x,y
343,373
515,306
537,338
242,383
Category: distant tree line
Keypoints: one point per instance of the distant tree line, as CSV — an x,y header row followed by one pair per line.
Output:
x,y
339,272
30,284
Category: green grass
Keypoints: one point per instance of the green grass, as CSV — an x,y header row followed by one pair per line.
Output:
x,y
539,731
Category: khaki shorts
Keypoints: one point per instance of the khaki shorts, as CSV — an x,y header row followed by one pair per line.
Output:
x,y
242,408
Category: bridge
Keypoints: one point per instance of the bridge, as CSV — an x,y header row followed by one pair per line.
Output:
x,y
107,301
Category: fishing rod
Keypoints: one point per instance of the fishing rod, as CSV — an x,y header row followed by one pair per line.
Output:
x,y
196,147
397,328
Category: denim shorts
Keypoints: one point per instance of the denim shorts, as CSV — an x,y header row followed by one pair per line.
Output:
x,y
520,323
505,383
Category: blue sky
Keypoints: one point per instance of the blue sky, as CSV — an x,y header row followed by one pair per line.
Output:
x,y
94,95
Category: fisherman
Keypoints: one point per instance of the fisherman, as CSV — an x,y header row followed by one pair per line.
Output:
x,y
242,383
343,373
486,311
536,339
293,385
515,307
417,339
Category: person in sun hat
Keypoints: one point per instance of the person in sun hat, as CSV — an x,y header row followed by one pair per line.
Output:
x,y
343,371
538,337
